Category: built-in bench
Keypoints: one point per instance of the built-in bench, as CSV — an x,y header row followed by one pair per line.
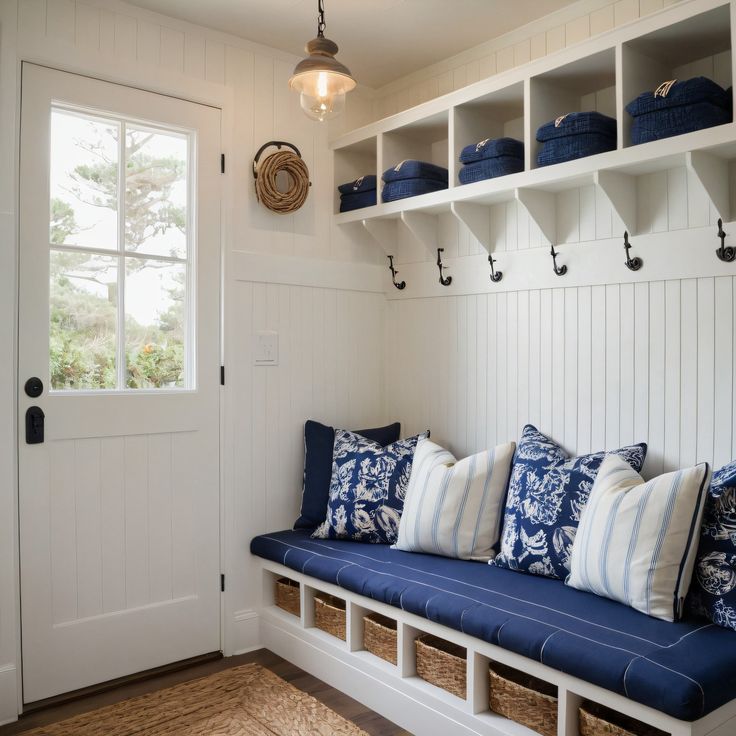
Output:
x,y
678,677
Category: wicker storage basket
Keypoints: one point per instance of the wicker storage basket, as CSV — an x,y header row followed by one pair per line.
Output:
x,y
524,699
329,615
597,720
379,636
287,596
442,663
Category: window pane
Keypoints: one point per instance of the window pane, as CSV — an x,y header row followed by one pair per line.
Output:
x,y
84,181
83,321
155,324
155,192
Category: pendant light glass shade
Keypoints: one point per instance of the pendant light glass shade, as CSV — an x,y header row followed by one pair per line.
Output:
x,y
321,80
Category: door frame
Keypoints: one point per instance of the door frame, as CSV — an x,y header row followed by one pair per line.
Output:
x,y
12,59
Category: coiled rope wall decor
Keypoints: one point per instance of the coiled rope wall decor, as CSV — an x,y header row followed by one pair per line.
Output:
x,y
265,173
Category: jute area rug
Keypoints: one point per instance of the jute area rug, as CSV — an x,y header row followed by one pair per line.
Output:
x,y
243,701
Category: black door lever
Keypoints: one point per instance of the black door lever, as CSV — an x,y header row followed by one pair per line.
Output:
x,y
34,425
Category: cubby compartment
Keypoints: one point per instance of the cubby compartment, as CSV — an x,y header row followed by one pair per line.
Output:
x,y
287,594
524,699
380,636
585,85
442,664
597,720
353,161
330,615
495,115
698,46
424,140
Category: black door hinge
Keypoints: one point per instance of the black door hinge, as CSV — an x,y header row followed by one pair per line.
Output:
x,y
222,583
222,375
222,163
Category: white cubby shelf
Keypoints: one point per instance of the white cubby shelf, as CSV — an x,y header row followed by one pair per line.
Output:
x,y
397,693
604,73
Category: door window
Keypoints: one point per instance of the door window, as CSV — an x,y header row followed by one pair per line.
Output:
x,y
121,251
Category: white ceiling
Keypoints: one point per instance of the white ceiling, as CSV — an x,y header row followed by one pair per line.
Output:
x,y
380,40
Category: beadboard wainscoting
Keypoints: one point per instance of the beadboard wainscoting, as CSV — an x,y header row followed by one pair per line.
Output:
x,y
594,366
330,367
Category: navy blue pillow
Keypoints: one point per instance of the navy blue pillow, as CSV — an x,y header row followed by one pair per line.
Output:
x,y
713,590
319,440
547,492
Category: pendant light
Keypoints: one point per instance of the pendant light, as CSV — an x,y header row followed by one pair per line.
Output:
x,y
320,78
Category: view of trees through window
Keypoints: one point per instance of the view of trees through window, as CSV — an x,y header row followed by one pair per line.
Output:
x,y
97,252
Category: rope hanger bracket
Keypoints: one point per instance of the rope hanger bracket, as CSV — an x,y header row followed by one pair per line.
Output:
x,y
266,171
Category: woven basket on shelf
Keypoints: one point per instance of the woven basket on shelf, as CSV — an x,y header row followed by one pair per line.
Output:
x,y
287,596
329,615
524,699
442,663
597,720
379,636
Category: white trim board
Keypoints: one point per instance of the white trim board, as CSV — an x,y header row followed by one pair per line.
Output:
x,y
398,694
319,273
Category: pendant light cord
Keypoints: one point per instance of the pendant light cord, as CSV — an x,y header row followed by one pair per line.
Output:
x,y
321,25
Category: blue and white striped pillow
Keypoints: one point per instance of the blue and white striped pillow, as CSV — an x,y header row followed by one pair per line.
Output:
x,y
637,540
454,507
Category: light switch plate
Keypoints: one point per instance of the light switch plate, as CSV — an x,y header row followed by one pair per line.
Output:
x,y
266,347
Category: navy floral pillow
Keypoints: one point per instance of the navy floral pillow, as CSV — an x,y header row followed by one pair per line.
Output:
x,y
367,489
713,590
547,493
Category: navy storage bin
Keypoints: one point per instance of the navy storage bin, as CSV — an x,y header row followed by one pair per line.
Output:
x,y
576,135
413,169
577,123
490,168
557,150
357,201
365,183
492,148
686,106
403,188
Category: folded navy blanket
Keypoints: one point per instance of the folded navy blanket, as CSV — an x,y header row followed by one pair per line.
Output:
x,y
413,169
365,183
675,94
357,201
557,150
576,123
403,188
491,148
490,168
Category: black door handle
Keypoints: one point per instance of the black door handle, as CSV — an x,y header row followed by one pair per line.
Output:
x,y
34,425
34,387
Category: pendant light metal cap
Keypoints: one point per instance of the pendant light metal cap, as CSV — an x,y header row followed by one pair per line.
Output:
x,y
322,59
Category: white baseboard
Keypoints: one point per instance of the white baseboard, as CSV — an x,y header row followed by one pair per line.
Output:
x,y
244,634
8,694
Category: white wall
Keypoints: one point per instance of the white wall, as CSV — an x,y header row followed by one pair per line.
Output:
x,y
121,43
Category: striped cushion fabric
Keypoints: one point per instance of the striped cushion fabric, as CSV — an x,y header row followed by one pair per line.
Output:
x,y
454,508
637,540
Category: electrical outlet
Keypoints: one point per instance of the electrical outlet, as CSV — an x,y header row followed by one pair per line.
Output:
x,y
266,348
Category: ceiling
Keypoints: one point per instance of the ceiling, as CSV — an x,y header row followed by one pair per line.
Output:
x,y
380,40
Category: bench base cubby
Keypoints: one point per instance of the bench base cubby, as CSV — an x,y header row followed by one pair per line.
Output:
x,y
397,693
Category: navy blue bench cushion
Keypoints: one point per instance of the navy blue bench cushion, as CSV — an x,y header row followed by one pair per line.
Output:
x,y
685,669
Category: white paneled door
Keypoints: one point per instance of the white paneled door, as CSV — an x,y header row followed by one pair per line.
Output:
x,y
118,380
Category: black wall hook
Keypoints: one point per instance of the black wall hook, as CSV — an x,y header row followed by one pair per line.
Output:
x,y
633,264
559,270
398,284
496,276
725,252
444,280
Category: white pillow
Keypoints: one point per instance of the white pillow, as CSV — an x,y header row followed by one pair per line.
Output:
x,y
637,540
454,508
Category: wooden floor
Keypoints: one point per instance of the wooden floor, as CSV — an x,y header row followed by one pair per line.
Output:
x,y
366,719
